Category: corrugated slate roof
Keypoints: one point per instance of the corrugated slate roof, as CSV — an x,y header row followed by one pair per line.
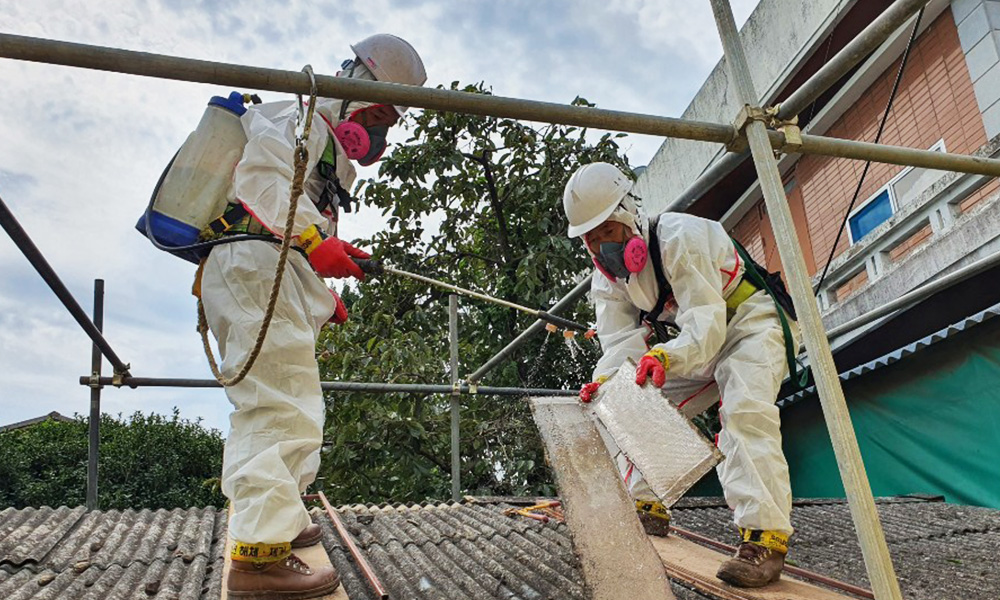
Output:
x,y
901,353
463,550
106,555
939,550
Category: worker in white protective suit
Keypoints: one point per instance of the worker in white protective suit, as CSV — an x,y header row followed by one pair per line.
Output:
x,y
272,452
703,333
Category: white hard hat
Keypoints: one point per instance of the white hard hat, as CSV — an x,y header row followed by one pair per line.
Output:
x,y
391,59
592,194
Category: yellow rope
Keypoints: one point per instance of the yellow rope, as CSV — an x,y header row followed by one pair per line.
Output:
x,y
301,161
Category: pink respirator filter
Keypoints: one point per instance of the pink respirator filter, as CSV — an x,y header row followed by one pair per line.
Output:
x,y
353,139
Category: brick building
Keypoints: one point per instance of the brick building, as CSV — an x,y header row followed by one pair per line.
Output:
x,y
908,227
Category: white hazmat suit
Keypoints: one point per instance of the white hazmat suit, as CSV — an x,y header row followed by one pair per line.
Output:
x,y
272,452
739,360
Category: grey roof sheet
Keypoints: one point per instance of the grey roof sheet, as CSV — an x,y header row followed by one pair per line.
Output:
x,y
467,550
463,551
939,550
105,555
901,353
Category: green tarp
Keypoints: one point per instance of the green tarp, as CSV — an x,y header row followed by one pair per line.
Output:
x,y
928,424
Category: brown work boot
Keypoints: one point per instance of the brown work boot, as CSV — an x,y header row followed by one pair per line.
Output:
x,y
654,516
287,579
309,536
752,566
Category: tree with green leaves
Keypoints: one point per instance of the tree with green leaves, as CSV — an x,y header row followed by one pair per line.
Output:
x,y
475,201
145,461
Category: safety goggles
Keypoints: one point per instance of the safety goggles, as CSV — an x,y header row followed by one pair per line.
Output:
x,y
376,115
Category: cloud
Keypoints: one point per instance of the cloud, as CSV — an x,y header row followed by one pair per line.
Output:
x,y
82,149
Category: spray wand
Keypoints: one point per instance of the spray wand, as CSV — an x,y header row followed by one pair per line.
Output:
x,y
376,268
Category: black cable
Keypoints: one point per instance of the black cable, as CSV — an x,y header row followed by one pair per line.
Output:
x,y
878,136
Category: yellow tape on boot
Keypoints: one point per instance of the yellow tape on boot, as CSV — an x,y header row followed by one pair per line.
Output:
x,y
653,509
260,553
768,539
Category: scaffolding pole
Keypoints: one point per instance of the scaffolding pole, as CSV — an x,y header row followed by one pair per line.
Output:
x,y
257,78
455,403
27,247
838,420
866,42
94,425
567,301
342,386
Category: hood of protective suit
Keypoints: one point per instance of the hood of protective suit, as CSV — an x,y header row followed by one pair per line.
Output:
x,y
640,286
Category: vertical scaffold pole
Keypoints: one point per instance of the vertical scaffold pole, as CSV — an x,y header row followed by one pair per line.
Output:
x,y
838,420
95,399
455,402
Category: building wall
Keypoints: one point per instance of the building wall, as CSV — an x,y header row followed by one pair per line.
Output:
x,y
776,37
979,31
935,101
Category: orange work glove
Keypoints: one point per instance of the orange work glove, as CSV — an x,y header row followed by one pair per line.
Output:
x,y
655,363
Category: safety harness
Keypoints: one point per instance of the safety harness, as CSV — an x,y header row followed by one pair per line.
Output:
x,y
237,220
755,278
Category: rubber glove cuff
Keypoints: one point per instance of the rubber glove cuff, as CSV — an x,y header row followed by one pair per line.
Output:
x,y
339,316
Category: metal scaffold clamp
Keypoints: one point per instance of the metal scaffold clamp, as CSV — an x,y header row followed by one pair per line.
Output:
x,y
118,379
789,128
95,381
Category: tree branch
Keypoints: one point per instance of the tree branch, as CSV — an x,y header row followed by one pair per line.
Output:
x,y
494,197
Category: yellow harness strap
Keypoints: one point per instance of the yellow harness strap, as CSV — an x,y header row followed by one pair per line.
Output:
x,y
743,291
196,286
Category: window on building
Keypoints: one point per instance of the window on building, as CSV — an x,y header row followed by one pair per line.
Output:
x,y
871,215
899,191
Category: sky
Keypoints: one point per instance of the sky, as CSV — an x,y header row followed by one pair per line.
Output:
x,y
81,150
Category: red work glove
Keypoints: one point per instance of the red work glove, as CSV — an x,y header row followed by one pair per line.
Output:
x,y
589,391
332,258
339,310
655,363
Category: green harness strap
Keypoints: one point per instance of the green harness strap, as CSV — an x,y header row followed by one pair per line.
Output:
x,y
799,377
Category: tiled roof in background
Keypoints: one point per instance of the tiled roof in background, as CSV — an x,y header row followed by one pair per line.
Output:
x,y
467,550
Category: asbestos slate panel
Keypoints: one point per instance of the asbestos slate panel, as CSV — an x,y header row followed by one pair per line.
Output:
x,y
668,450
617,558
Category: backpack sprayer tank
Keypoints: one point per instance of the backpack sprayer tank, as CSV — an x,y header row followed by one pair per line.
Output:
x,y
196,185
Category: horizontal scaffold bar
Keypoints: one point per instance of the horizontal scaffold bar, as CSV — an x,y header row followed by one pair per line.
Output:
x,y
257,78
345,386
